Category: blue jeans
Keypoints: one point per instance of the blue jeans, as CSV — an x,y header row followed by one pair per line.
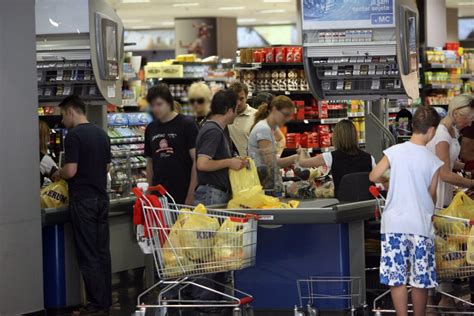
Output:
x,y
208,195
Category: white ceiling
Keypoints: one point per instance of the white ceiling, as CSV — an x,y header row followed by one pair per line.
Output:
x,y
161,13
146,14
466,7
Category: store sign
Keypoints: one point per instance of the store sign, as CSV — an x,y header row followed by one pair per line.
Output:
x,y
344,14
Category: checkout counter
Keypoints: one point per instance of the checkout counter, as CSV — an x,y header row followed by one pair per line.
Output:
x,y
320,238
62,279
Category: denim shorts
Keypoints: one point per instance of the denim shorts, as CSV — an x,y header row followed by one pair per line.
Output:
x,y
208,195
408,259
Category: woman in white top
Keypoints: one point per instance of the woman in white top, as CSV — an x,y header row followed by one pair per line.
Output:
x,y
263,146
446,146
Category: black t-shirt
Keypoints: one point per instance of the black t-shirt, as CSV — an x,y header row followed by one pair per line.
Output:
x,y
343,164
88,146
212,142
168,145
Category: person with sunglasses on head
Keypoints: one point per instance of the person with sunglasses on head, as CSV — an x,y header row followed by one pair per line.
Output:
x,y
445,145
262,145
243,123
199,96
170,142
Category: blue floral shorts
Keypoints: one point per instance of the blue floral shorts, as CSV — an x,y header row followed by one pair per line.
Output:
x,y
408,259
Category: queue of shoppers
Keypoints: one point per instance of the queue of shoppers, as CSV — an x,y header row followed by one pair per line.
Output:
x,y
191,158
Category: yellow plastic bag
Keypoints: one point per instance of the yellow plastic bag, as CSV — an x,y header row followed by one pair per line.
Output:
x,y
175,261
255,198
228,248
54,195
197,235
244,179
462,206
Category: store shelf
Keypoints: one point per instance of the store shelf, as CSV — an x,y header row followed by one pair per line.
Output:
x,y
59,98
467,76
65,82
280,92
443,66
327,120
126,140
442,86
310,150
126,153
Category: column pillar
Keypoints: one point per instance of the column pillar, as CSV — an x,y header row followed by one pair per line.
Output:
x,y
21,268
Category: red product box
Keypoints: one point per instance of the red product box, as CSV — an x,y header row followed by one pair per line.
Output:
x,y
323,130
280,54
324,110
304,140
293,140
300,114
289,54
269,55
324,141
258,56
297,54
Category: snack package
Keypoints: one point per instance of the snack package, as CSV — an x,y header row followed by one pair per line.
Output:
x,y
228,248
245,178
448,254
197,235
54,195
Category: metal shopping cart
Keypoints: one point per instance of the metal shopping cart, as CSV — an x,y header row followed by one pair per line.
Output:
x,y
319,293
182,256
454,250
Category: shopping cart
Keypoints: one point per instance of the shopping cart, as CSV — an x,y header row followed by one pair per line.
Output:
x,y
318,293
454,251
181,266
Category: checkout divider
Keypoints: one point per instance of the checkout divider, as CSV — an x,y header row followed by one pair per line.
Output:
x,y
320,238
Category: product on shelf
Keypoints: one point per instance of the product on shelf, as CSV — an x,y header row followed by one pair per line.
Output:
x,y
279,54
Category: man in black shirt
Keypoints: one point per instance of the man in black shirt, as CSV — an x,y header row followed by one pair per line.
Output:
x,y
87,161
170,147
213,153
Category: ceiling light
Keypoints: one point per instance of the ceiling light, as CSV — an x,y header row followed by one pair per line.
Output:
x,y
231,8
246,20
465,3
188,4
273,11
53,23
132,20
141,27
135,1
280,22
276,1
167,23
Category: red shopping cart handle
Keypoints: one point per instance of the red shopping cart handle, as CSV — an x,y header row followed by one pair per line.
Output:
x,y
374,191
159,188
246,300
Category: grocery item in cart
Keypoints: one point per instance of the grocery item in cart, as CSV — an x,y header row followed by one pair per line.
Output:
x,y
197,235
54,195
448,254
229,247
255,198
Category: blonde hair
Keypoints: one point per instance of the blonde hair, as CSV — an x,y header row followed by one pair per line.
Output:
x,y
44,133
280,102
200,90
344,137
464,103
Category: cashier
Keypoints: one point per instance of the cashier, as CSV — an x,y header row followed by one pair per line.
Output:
x,y
263,146
347,158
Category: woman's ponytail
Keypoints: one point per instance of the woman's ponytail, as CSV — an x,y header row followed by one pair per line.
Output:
x,y
262,113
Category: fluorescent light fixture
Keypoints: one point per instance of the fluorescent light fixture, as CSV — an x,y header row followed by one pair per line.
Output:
x,y
280,22
141,27
276,1
466,3
136,1
186,4
53,23
132,20
246,20
273,11
231,8
167,23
